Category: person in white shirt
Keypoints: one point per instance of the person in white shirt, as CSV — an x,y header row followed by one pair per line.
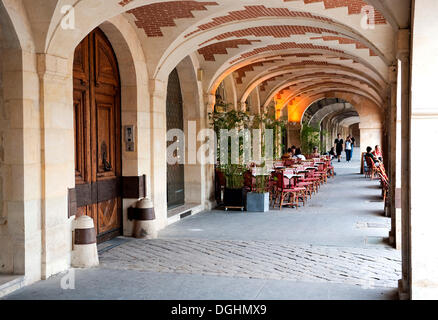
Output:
x,y
348,148
299,155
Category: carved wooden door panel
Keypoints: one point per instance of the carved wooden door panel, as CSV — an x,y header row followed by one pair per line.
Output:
x,y
96,91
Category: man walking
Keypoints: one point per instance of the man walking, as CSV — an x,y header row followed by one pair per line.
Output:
x,y
339,146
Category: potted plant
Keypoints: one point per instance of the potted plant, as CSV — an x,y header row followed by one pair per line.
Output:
x,y
258,200
234,193
220,119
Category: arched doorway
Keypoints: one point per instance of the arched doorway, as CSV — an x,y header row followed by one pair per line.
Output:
x,y
175,120
96,96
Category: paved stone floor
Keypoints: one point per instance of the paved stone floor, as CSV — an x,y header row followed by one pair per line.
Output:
x,y
334,248
258,259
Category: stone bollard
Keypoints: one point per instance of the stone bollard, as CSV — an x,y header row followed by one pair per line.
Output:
x,y
144,220
85,247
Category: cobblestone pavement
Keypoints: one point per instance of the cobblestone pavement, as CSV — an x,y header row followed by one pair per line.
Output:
x,y
333,248
368,268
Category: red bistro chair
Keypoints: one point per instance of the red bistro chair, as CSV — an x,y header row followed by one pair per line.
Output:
x,y
286,192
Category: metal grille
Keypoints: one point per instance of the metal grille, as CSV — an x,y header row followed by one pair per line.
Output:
x,y
175,120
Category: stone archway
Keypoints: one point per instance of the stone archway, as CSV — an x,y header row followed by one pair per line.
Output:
x,y
60,151
135,108
195,119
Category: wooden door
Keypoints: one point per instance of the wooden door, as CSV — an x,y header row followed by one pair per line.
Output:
x,y
175,120
96,95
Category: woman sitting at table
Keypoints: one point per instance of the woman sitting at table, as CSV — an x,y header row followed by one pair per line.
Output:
x,y
288,155
299,155
378,153
372,157
315,153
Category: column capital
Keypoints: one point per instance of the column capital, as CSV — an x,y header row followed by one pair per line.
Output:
x,y
157,88
393,73
210,101
52,67
294,125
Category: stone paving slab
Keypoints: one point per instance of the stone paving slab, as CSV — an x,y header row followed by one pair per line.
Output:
x,y
259,260
100,283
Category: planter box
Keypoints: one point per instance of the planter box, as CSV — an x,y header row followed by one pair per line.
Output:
x,y
257,202
234,198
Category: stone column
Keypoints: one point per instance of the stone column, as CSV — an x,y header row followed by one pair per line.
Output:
x,y
422,220
370,136
294,134
20,165
403,56
58,161
394,209
158,148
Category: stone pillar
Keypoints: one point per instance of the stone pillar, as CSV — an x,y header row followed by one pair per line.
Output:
x,y
403,56
370,136
58,161
209,170
20,165
394,209
158,154
294,134
422,220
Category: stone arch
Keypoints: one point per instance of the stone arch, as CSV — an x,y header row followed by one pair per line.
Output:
x,y
230,89
194,115
306,75
134,86
371,115
368,110
319,116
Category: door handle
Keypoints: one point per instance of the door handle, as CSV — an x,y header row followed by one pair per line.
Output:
x,y
106,165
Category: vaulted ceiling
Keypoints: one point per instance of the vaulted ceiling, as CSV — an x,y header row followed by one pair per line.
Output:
x,y
298,48
303,47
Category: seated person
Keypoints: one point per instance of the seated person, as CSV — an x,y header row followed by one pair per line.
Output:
x,y
287,155
294,149
299,155
373,158
378,153
315,153
332,153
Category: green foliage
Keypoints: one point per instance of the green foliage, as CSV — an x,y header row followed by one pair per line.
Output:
x,y
324,135
234,175
267,121
222,118
229,120
261,178
310,138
